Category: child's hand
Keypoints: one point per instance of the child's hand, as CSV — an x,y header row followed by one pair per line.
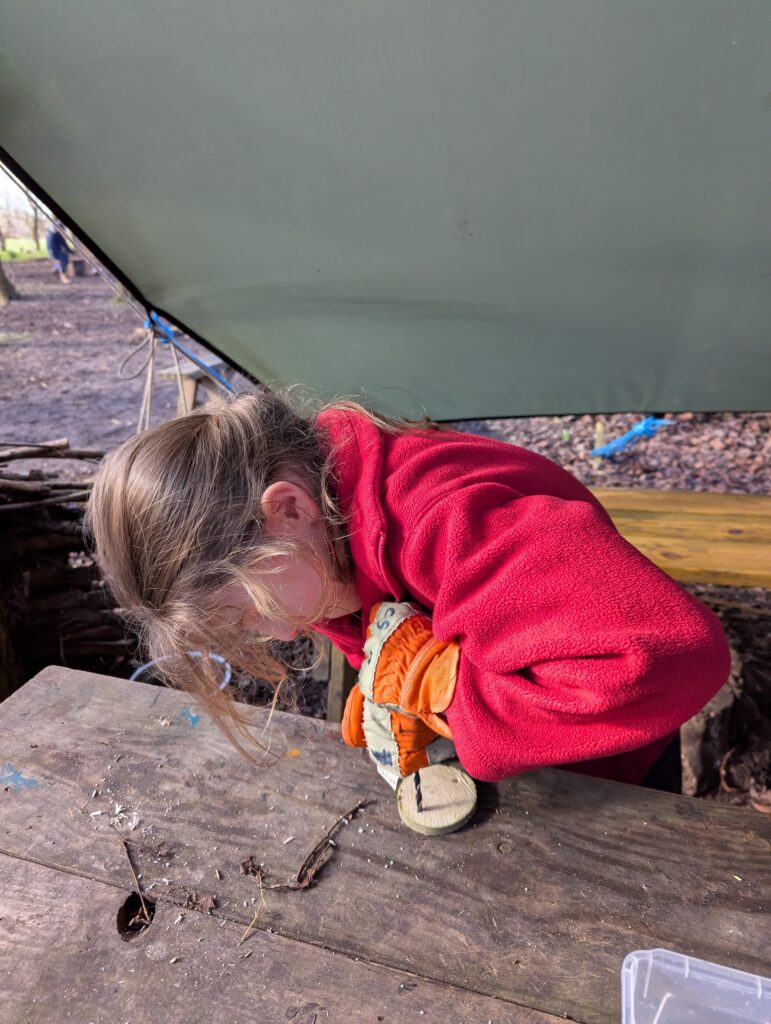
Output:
x,y
407,680
398,744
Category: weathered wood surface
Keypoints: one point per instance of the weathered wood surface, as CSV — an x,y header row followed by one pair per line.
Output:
x,y
341,681
697,537
537,901
61,958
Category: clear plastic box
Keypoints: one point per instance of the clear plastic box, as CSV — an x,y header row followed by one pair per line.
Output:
x,y
662,987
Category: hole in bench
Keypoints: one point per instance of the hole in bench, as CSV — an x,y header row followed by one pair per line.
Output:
x,y
131,917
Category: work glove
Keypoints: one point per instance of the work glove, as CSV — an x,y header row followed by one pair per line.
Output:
x,y
407,680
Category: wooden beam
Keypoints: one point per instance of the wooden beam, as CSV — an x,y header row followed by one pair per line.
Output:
x,y
342,679
697,537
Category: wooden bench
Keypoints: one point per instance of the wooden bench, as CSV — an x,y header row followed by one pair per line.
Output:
x,y
192,377
697,537
523,917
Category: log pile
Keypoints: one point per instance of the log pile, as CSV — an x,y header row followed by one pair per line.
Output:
x,y
54,608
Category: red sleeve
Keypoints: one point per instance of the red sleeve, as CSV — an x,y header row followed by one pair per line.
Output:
x,y
574,646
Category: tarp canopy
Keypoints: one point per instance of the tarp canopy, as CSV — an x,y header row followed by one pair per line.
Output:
x,y
476,207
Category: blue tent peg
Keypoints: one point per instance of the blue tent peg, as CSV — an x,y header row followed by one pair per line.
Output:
x,y
645,428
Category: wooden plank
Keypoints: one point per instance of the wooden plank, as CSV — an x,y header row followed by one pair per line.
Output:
x,y
693,561
342,679
62,959
186,398
750,529
537,901
699,502
697,537
705,528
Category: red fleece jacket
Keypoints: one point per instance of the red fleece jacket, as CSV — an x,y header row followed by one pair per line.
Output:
x,y
574,647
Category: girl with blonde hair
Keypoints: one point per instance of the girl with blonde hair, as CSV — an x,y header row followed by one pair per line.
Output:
x,y
481,589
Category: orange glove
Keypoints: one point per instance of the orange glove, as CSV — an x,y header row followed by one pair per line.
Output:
x,y
407,680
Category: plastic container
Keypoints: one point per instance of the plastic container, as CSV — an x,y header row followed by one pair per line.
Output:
x,y
662,987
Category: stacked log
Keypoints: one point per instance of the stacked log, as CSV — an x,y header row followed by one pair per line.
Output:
x,y
54,607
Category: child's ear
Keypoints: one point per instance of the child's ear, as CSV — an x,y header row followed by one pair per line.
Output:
x,y
288,510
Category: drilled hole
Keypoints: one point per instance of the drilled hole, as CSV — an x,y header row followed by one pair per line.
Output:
x,y
131,917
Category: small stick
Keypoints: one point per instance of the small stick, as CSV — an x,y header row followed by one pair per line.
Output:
x,y
260,906
317,858
17,505
145,911
40,452
11,448
418,793
309,868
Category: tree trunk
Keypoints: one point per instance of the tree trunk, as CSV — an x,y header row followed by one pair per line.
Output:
x,y
7,290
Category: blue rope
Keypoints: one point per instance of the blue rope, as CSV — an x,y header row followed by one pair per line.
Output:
x,y
193,654
645,428
165,335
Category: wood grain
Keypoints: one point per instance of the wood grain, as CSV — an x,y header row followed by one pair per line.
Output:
x,y
697,537
537,901
342,679
703,503
61,958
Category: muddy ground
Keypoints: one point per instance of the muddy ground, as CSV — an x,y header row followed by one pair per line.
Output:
x,y
61,350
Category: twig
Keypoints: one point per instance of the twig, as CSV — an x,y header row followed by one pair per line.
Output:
x,y
319,855
24,486
60,500
50,453
145,911
29,474
69,485
725,786
12,448
260,906
42,487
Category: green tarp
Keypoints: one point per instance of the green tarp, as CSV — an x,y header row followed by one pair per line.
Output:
x,y
479,207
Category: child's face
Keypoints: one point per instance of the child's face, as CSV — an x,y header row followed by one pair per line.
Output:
x,y
295,583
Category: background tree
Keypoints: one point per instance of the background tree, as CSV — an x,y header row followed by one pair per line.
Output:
x,y
7,290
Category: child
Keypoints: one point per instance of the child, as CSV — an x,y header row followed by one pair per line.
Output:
x,y
534,634
59,251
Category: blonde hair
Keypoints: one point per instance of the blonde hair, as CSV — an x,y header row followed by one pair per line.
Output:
x,y
175,516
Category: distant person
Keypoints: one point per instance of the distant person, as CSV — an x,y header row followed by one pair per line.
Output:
x,y
59,250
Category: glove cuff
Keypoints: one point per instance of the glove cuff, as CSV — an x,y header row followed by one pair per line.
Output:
x,y
384,621
411,672
429,684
